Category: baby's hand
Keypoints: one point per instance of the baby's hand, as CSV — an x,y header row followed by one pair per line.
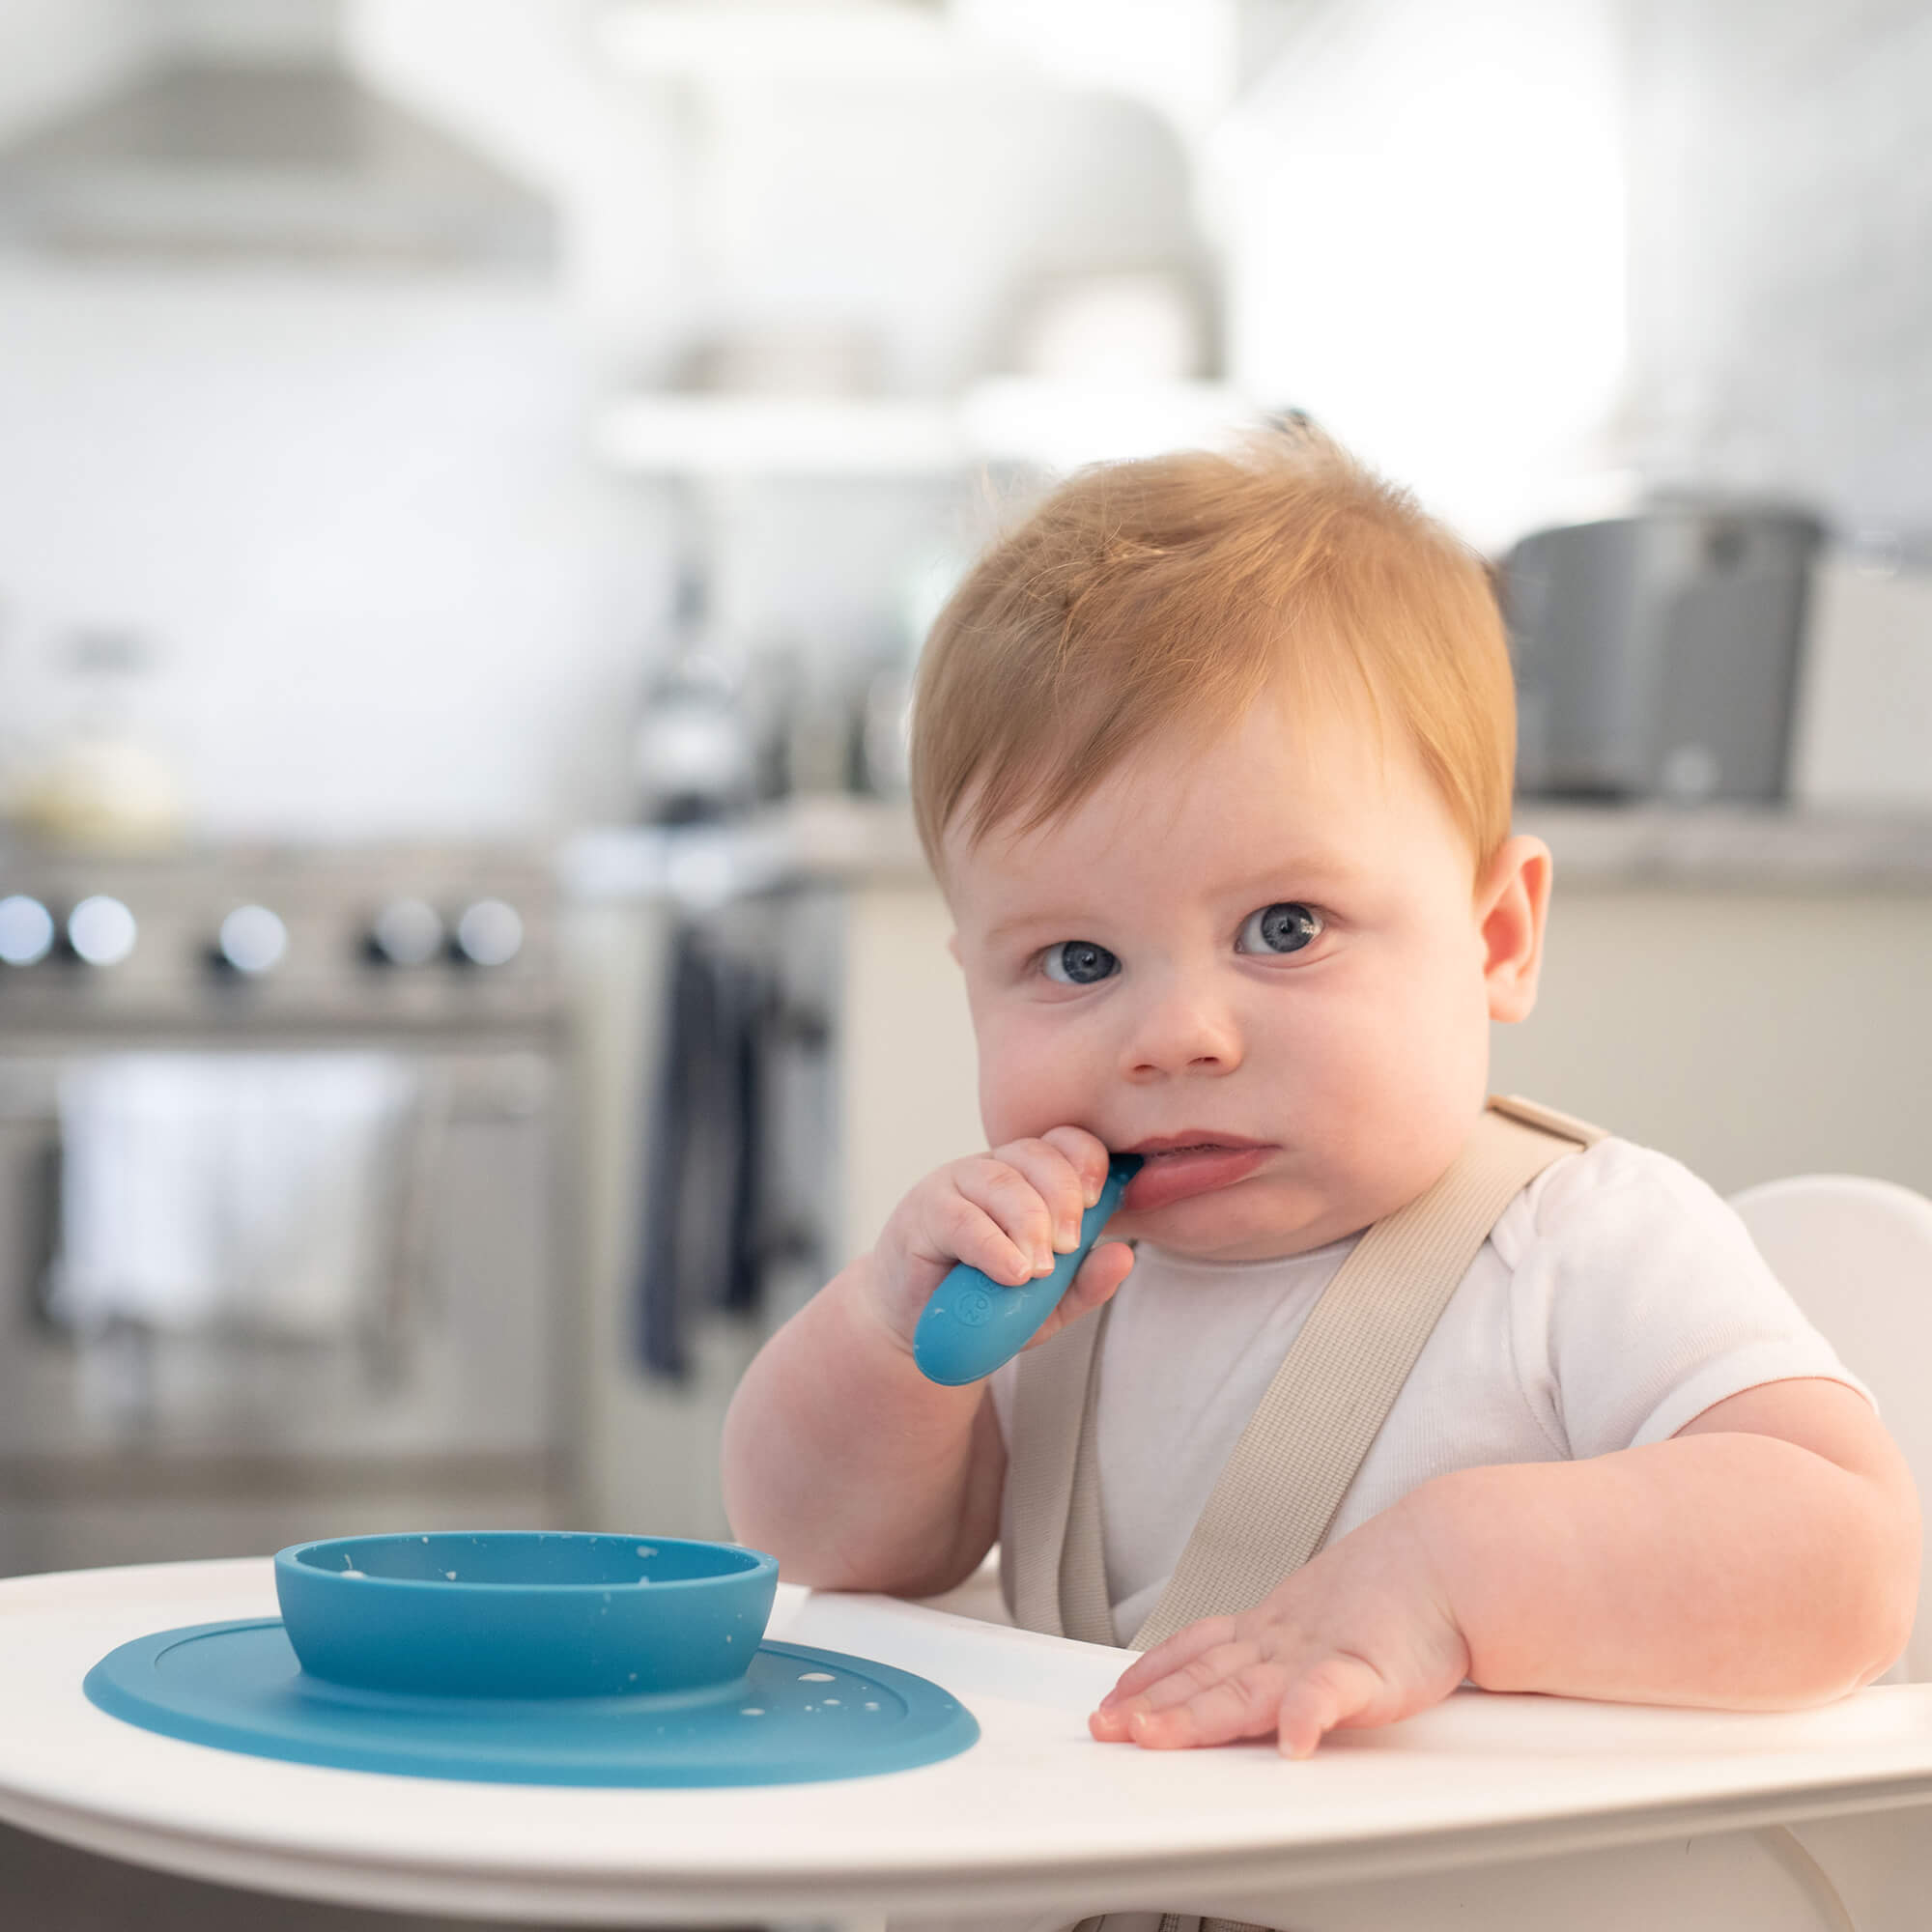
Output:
x,y
1360,1635
1007,1213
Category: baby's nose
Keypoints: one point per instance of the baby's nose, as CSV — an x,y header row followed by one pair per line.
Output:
x,y
1187,1030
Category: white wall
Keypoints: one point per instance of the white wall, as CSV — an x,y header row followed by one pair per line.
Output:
x,y
55,51
1782,285
1424,216
386,588
1507,245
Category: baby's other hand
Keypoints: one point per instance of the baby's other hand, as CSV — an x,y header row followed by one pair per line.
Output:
x,y
1007,1214
1360,1635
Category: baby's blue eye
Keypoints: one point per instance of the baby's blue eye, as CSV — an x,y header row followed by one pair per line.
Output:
x,y
1278,928
1078,962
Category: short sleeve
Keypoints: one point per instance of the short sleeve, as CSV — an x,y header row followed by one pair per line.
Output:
x,y
1638,1300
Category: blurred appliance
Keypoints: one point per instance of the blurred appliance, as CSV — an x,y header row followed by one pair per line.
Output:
x,y
280,1247
247,136
1657,654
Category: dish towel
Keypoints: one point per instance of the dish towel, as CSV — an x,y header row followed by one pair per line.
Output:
x,y
251,1193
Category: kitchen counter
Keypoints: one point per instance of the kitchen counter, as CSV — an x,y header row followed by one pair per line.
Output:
x,y
820,839
1716,847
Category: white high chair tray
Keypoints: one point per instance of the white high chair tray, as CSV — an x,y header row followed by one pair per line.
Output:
x,y
1035,1816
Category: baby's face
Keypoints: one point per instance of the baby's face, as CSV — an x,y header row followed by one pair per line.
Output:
x,y
1263,965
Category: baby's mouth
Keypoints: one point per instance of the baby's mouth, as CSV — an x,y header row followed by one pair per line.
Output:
x,y
1173,1170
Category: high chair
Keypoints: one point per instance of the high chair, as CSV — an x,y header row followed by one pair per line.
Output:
x,y
1857,1257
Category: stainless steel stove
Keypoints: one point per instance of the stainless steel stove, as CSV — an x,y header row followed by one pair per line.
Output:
x,y
280,1244
241,942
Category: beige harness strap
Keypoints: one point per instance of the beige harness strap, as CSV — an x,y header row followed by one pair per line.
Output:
x,y
1053,1500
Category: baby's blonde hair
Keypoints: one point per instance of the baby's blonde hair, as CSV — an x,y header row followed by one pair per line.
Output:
x,y
1172,592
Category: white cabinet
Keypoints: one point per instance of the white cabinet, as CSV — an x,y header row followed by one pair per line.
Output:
x,y
1750,1033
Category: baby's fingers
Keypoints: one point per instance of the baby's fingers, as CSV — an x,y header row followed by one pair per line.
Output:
x,y
1253,1699
1009,1198
1190,1664
1337,1690
1087,1155
1103,1271
962,1229
1243,1704
1169,1659
1057,1179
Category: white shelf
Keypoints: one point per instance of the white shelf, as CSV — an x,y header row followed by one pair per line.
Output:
x,y
1053,425
719,41
1180,57
1060,425
699,435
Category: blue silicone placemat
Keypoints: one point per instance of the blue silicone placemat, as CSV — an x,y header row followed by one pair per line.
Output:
x,y
798,1716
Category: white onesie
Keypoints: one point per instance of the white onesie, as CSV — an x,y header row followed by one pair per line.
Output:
x,y
1616,1298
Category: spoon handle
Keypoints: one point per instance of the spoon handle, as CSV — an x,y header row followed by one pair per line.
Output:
x,y
973,1323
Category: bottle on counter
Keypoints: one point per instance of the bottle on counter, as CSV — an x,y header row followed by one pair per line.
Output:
x,y
99,784
692,754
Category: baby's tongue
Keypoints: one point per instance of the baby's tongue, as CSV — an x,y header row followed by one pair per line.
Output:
x,y
1166,1178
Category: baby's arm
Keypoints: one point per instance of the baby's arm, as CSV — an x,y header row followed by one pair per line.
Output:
x,y
839,1456
1765,1557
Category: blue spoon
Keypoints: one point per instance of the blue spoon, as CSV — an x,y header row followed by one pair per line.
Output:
x,y
973,1323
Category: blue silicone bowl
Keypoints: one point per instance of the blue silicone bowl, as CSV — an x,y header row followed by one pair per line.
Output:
x,y
525,1613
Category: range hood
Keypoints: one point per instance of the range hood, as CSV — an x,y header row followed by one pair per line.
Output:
x,y
207,155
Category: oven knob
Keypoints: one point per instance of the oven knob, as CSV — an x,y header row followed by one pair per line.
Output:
x,y
489,933
252,940
100,931
27,930
406,932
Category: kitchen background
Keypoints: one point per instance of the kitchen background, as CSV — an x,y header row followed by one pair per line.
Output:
x,y
475,475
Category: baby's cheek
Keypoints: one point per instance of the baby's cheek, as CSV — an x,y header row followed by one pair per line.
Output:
x,y
1030,1081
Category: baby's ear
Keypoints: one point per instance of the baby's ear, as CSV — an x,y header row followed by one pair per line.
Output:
x,y
952,947
1511,905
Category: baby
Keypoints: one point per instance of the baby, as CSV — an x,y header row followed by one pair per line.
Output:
x,y
1212,760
